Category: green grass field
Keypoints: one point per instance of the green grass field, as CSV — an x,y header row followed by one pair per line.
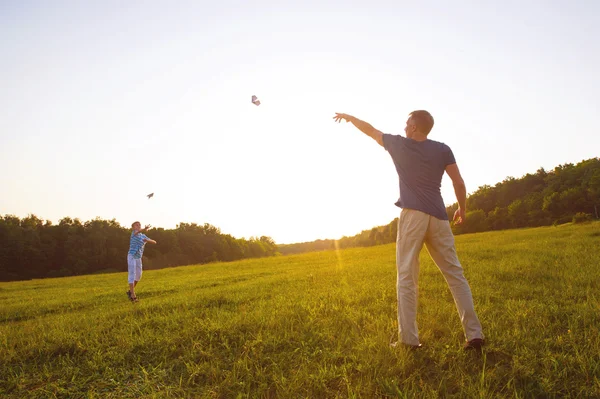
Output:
x,y
315,325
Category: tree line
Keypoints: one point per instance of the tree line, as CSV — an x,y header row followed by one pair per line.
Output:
x,y
569,192
33,248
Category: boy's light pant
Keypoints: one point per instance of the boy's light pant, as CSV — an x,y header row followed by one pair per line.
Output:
x,y
414,229
134,267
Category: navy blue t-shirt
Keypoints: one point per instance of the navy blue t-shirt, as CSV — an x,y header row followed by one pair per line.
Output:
x,y
420,166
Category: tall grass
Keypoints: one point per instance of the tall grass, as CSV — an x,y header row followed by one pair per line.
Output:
x,y
314,325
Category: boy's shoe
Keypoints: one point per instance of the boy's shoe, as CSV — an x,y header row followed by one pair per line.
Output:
x,y
474,344
131,298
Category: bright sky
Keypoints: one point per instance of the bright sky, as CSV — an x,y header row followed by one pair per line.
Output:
x,y
104,102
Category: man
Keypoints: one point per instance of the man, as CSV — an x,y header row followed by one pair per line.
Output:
x,y
137,241
420,164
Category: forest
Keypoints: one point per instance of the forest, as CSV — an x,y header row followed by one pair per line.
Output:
x,y
568,193
33,248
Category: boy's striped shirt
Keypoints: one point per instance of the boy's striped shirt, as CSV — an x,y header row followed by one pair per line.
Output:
x,y
136,245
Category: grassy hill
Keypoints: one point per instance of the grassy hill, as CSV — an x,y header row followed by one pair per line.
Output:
x,y
314,325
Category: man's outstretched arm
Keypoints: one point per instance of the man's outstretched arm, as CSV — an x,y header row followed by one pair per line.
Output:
x,y
363,126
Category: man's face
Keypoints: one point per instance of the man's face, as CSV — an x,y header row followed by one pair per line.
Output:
x,y
410,128
137,226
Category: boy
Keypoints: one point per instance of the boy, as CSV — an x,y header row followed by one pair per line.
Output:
x,y
137,242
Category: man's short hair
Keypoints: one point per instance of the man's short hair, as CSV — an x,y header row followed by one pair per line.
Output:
x,y
134,223
423,121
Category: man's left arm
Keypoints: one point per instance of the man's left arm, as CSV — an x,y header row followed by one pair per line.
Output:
x,y
363,126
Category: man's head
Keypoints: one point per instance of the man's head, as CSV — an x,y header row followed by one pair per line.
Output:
x,y
136,226
419,123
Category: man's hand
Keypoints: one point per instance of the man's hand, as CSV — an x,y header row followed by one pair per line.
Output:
x,y
459,216
363,126
147,227
339,117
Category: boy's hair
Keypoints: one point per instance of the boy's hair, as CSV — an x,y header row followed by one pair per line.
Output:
x,y
423,120
134,223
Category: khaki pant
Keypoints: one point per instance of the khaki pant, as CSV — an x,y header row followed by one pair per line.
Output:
x,y
414,229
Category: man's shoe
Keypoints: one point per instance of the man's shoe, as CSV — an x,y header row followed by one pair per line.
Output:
x,y
474,344
403,345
